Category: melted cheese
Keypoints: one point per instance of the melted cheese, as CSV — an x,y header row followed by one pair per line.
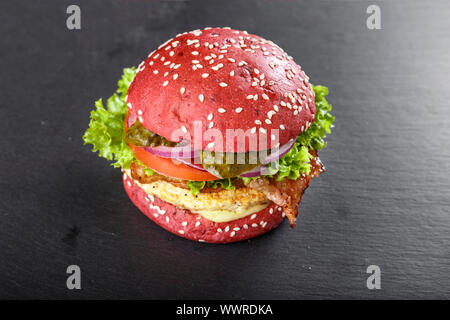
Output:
x,y
221,206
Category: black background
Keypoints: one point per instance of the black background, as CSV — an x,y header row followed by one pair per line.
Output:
x,y
384,199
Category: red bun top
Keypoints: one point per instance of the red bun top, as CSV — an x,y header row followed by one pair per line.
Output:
x,y
207,81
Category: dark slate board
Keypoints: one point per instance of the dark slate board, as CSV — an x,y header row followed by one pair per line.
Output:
x,y
384,199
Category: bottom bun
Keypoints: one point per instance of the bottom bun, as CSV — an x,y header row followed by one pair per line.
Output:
x,y
192,226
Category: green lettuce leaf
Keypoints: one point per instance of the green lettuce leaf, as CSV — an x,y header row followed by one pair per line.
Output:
x,y
226,183
106,132
196,186
314,136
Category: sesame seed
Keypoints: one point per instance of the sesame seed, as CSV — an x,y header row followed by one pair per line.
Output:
x,y
232,73
180,231
155,71
184,223
250,96
210,145
211,124
271,210
231,60
258,122
236,229
227,228
182,90
219,230
268,121
197,224
171,53
245,226
201,98
210,116
221,110
253,216
165,83
232,234
256,71
262,130
223,84
177,66
253,130
166,73
194,53
265,96
272,137
238,110
183,128
282,127
175,76
205,75
195,61
254,225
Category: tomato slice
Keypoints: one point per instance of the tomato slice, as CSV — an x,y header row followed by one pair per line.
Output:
x,y
169,167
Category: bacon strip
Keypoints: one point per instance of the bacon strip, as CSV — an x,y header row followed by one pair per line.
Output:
x,y
288,193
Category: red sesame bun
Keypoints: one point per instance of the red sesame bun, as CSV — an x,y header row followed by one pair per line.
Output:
x,y
193,226
227,79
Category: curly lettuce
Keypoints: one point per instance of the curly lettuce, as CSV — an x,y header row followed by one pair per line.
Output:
x,y
197,186
297,160
106,134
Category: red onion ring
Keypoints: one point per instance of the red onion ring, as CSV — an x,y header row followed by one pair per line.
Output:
x,y
179,152
190,164
279,152
258,171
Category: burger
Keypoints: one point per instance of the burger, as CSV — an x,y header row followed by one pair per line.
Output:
x,y
217,133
